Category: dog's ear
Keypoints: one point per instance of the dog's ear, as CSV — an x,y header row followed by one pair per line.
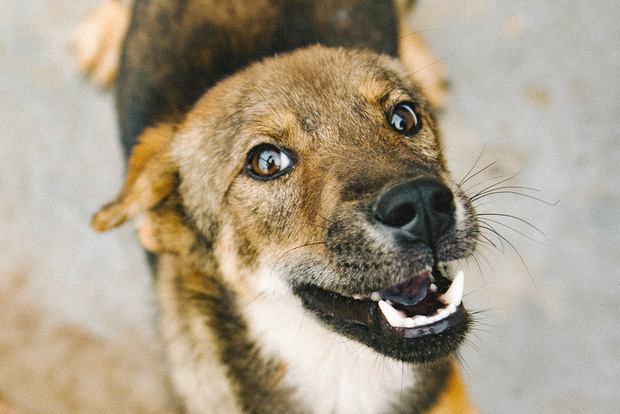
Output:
x,y
151,177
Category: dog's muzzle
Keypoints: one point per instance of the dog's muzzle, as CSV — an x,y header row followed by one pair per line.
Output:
x,y
421,318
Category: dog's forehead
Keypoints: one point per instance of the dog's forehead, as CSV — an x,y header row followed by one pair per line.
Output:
x,y
321,80
323,92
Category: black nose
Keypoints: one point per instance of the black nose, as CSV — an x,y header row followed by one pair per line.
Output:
x,y
422,208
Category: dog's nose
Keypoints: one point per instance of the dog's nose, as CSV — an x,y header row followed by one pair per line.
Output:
x,y
423,209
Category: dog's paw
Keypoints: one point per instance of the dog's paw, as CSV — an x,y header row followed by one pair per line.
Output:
x,y
97,42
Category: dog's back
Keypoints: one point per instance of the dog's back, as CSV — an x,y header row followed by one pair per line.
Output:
x,y
175,50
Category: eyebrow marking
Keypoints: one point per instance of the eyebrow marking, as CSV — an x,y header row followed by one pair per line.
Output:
x,y
375,91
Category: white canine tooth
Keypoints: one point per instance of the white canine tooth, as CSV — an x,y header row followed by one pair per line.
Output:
x,y
452,298
454,295
445,312
395,317
357,297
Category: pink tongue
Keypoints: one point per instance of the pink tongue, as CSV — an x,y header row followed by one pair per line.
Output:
x,y
410,292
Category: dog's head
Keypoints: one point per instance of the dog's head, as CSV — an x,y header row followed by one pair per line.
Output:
x,y
320,174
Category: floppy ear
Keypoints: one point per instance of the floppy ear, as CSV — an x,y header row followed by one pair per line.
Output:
x,y
151,177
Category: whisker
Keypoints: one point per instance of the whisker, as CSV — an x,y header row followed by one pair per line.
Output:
x,y
510,216
490,229
513,247
467,177
507,190
487,221
492,186
293,249
324,218
497,181
488,240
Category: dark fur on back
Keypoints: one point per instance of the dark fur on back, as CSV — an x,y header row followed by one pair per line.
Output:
x,y
175,50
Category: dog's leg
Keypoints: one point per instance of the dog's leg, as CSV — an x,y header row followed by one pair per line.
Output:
x,y
97,41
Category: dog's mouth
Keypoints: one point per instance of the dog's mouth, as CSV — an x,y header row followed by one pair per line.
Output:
x,y
418,320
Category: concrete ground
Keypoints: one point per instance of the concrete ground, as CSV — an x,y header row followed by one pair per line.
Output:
x,y
535,86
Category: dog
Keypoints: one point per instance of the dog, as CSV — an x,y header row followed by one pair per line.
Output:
x,y
286,175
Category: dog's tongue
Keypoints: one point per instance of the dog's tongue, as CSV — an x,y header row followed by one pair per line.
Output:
x,y
408,293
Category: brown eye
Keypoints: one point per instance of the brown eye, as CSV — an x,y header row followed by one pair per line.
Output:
x,y
266,162
404,120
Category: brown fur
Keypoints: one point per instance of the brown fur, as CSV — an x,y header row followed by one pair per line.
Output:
x,y
215,229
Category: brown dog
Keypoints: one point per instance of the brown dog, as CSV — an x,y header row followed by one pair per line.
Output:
x,y
301,212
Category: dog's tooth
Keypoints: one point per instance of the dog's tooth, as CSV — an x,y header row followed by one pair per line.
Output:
x,y
432,287
408,323
357,296
429,270
452,308
421,320
454,295
395,317
452,298
444,313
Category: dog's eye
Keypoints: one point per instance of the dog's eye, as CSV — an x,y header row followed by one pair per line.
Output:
x,y
403,119
266,162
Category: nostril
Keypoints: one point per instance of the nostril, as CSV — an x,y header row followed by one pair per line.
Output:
x,y
398,215
443,202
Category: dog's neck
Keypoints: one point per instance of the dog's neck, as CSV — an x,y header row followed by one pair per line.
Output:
x,y
327,372
276,356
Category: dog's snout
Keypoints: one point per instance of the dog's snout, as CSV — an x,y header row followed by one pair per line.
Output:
x,y
422,208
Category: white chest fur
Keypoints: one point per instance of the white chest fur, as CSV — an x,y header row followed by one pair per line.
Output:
x,y
329,373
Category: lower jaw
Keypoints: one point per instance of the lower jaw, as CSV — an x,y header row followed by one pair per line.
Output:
x,y
365,323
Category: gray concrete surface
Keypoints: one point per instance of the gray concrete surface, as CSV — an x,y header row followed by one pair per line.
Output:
x,y
535,87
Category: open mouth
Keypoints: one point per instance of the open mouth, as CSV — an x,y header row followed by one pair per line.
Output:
x,y
419,320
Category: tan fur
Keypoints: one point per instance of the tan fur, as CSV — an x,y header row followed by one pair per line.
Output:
x,y
151,191
226,243
150,179
454,399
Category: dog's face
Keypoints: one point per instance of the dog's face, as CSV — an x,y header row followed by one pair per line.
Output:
x,y
324,167
322,170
